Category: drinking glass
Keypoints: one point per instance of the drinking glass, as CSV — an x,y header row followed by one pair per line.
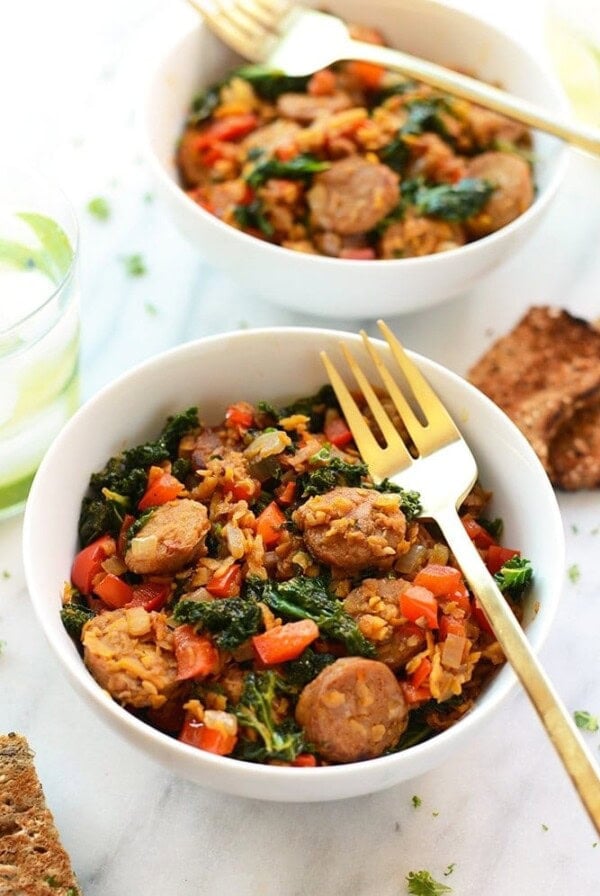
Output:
x,y
573,39
39,325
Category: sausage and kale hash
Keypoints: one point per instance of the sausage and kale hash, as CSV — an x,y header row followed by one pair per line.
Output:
x,y
248,589
353,162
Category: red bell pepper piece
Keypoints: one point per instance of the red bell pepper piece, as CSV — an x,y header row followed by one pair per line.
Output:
x,y
322,83
497,556
240,414
358,254
417,603
150,595
114,591
304,760
270,524
164,488
414,695
367,73
213,740
337,430
421,673
478,535
440,580
286,493
228,584
284,642
232,127
88,562
196,654
451,626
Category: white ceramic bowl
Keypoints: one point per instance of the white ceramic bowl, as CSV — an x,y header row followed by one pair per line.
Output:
x,y
273,364
188,58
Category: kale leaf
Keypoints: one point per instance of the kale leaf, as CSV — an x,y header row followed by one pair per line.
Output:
x,y
329,471
305,668
424,115
74,616
204,104
410,501
396,153
115,490
451,202
515,576
270,83
301,167
255,710
232,620
421,883
495,527
306,598
253,217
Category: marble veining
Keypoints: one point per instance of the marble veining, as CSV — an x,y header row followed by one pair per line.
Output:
x,y
501,816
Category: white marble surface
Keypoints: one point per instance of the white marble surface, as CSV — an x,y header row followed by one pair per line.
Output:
x,y
503,811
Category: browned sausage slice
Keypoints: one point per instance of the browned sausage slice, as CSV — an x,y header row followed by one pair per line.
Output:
x,y
305,108
208,443
353,528
375,605
511,176
354,709
270,136
130,653
172,538
352,195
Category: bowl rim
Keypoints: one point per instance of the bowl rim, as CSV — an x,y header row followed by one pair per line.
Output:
x,y
557,163
161,743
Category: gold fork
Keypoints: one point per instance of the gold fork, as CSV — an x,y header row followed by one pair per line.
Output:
x,y
444,473
298,41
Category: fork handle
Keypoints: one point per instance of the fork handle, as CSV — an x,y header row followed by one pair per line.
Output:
x,y
467,88
557,721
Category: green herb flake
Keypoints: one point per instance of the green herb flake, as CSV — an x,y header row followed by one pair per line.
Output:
x,y
252,216
545,827
585,720
6,574
417,801
150,309
52,882
449,869
435,814
575,529
99,208
135,265
2,646
514,576
301,167
421,883
574,573
148,198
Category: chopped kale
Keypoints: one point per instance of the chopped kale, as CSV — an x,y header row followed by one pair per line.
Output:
x,y
270,83
181,468
301,167
425,115
451,202
329,471
574,573
232,620
252,216
421,883
74,616
116,489
255,710
297,673
396,88
313,407
410,501
585,720
494,527
138,524
135,265
306,598
515,576
204,104
396,154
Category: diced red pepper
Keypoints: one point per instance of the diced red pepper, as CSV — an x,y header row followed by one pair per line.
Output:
x,y
163,489
269,524
451,626
88,562
337,430
284,642
369,74
114,591
150,595
228,584
497,556
196,654
243,489
414,695
478,535
417,603
440,580
240,414
481,619
322,83
232,127
304,760
213,740
286,493
421,673
286,150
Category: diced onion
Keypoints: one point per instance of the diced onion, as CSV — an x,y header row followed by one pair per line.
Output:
x,y
452,651
267,444
236,544
439,554
144,547
138,621
412,560
114,565
222,721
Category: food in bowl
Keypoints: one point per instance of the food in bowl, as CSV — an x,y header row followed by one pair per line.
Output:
x,y
353,162
248,589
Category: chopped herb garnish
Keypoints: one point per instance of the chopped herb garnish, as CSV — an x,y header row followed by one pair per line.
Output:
x,y
5,574
204,105
252,217
574,573
2,646
421,883
134,265
585,720
270,83
416,801
515,576
150,309
451,202
494,527
148,198
575,529
99,208
449,869
544,827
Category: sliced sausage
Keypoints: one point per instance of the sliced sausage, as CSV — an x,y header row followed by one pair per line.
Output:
x,y
208,444
271,136
173,537
513,194
305,108
486,127
352,195
353,528
354,709
417,235
433,159
130,653
375,604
